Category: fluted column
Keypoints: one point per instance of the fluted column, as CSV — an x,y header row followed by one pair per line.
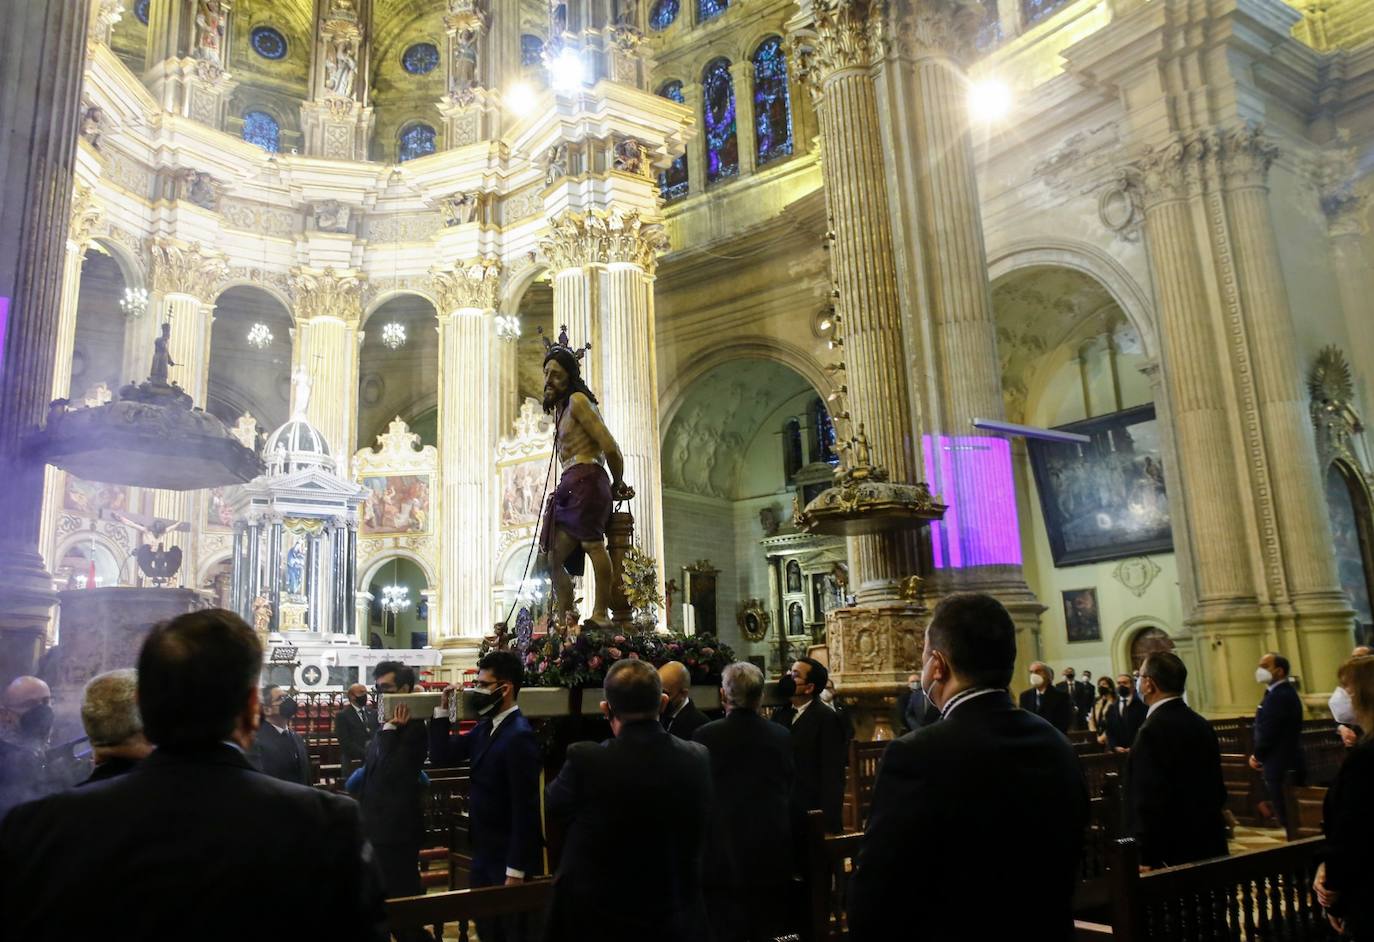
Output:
x,y
603,267
184,281
467,301
1345,208
42,61
508,376
837,36
328,308
84,216
696,147
742,77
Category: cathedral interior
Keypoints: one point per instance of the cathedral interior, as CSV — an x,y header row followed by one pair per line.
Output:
x,y
1092,276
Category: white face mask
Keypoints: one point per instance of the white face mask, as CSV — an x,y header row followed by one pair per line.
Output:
x,y
914,685
827,696
1037,681
1342,710
1263,676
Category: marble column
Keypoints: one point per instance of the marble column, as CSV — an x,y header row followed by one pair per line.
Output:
x,y
938,234
467,523
42,62
836,37
328,308
603,266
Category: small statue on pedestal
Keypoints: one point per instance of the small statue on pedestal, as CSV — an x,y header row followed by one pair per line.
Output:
x,y
161,357
262,615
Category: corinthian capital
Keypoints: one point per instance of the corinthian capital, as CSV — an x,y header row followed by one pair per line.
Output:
x,y
837,35
326,294
475,285
179,268
1242,155
601,238
916,29
85,214
1166,172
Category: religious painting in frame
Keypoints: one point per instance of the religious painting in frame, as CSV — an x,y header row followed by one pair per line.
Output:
x,y
89,498
522,492
1104,499
397,503
218,515
1081,619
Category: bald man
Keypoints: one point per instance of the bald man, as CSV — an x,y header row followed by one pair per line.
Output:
x,y
680,715
25,727
354,726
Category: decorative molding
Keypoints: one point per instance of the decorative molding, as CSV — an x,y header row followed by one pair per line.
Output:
x,y
517,206
186,269
402,227
397,451
1137,574
1332,388
601,238
476,285
533,434
917,29
1235,157
843,35
326,294
85,215
260,218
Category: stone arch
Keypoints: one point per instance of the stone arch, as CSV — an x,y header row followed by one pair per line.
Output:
x,y
1126,634
517,285
675,393
119,555
277,293
131,264
384,296
209,563
375,564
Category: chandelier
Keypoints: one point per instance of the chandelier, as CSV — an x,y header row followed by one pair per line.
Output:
x,y
394,335
395,598
135,302
507,327
260,336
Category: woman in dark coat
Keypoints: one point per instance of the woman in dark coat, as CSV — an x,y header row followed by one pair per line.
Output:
x,y
1345,881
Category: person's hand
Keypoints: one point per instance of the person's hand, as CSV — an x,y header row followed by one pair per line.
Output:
x,y
1102,739
402,715
622,491
1326,896
1337,923
1348,736
447,698
514,881
1255,764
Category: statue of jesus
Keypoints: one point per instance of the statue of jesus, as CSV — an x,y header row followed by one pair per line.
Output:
x,y
576,515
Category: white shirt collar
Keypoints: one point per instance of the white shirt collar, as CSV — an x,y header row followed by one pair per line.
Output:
x,y
681,706
801,709
496,720
963,696
1277,683
1159,703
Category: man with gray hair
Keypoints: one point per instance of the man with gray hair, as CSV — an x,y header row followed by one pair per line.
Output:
x,y
109,714
752,769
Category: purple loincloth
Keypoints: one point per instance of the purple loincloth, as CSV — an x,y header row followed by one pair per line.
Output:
x,y
580,506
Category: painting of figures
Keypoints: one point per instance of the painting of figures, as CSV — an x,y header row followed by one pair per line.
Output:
x,y
522,487
396,504
89,498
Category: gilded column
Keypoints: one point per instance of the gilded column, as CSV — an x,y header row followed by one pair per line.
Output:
x,y
467,525
42,61
328,307
836,37
185,278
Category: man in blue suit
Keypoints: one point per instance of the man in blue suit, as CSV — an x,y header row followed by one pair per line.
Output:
x,y
504,794
1278,730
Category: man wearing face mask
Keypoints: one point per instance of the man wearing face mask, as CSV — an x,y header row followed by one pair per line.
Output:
x,y
25,727
503,801
948,796
1278,731
681,716
354,727
278,750
820,747
1053,706
1081,693
1126,715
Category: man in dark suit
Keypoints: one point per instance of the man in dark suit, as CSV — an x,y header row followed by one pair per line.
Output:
x,y
913,709
354,727
1175,793
1125,717
950,795
178,846
1082,695
390,793
1042,699
820,748
278,749
606,888
751,765
1278,731
109,714
503,797
681,716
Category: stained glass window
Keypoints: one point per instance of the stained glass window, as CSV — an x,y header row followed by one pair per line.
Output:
x,y
664,13
772,105
718,114
417,140
267,42
141,11
710,9
261,128
672,183
1033,11
824,431
421,58
531,50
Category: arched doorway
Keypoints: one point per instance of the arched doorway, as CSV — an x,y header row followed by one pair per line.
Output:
x,y
398,369
250,358
399,579
1148,640
1352,530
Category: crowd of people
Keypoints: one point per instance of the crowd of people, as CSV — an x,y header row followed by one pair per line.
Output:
x,y
678,827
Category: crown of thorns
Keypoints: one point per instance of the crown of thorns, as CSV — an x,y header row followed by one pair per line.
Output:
x,y
563,345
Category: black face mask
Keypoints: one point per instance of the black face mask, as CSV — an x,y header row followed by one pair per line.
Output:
x,y
360,701
1104,691
787,687
37,722
1123,691
287,708
484,701
1068,678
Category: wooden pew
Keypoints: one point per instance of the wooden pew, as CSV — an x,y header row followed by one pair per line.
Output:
x,y
1105,826
1098,766
1250,897
461,906
1304,811
830,861
863,771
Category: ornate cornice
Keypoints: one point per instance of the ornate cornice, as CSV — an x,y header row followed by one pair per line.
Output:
x,y
476,285
326,294
104,15
85,215
602,238
1179,168
917,29
841,35
179,268
1241,156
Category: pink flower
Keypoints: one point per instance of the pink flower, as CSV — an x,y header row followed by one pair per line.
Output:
x,y
543,666
619,639
634,656
707,652
614,652
595,662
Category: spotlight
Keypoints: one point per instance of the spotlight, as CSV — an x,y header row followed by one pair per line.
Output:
x,y
520,99
989,100
567,73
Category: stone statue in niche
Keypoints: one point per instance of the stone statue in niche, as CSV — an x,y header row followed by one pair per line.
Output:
x,y
262,616
458,209
331,216
555,163
341,68
210,27
464,74
629,157
93,125
199,188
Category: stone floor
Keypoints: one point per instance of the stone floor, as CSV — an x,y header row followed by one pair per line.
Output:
x,y
1247,840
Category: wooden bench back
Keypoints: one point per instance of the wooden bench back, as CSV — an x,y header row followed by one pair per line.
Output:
x,y
1098,766
863,772
830,862
1304,810
461,906
1105,827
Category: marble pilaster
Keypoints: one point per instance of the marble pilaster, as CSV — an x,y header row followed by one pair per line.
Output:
x,y
328,308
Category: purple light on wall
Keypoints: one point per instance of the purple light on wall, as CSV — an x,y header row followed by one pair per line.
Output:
x,y
4,328
973,477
